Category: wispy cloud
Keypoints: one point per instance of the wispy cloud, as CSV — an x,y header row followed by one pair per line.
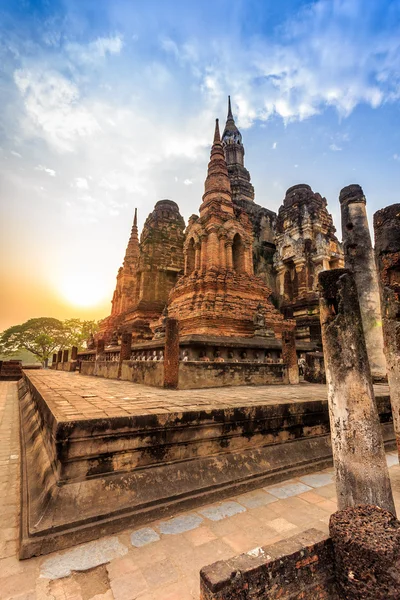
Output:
x,y
50,172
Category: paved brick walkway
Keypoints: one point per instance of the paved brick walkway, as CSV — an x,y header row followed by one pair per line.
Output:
x,y
75,396
162,560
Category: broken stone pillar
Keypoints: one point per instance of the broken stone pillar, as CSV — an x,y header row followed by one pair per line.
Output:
x,y
126,350
362,476
171,354
387,249
289,356
366,544
360,259
100,345
74,353
65,356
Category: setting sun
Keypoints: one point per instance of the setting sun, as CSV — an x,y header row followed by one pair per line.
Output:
x,y
80,289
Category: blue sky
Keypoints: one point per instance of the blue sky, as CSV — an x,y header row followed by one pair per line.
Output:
x,y
109,104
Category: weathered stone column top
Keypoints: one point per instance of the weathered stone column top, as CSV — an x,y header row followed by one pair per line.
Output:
x,y
352,194
387,229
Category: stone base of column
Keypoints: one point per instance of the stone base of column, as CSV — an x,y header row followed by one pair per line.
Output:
x,y
366,541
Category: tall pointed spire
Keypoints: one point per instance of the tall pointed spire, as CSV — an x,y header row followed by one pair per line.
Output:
x,y
217,135
217,188
132,249
230,116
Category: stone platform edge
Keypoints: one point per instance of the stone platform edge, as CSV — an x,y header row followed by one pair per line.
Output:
x,y
57,513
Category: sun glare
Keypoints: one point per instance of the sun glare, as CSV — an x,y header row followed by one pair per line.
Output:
x,y
82,290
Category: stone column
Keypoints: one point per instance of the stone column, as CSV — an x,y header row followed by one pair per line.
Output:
x,y
204,254
212,251
289,355
171,354
362,476
54,361
387,249
126,350
229,258
222,253
65,356
197,259
74,353
248,259
59,356
359,258
99,349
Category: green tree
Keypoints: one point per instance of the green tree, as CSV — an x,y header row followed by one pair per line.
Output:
x,y
45,335
76,332
41,337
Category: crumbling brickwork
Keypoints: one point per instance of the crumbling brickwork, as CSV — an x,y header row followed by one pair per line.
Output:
x,y
306,244
219,293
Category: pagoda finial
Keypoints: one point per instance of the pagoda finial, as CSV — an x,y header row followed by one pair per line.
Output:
x,y
230,115
135,218
217,136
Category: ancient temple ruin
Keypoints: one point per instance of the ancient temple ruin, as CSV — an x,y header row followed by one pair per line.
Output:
x,y
233,265
219,294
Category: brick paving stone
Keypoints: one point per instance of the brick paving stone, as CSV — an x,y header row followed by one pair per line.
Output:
x,y
281,525
160,573
128,586
200,536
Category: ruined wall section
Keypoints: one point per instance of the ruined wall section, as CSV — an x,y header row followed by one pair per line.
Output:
x,y
305,245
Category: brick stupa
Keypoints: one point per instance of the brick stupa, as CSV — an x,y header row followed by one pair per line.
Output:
x,y
219,294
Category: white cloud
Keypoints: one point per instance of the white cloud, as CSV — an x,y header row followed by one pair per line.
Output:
x,y
188,182
396,156
94,51
81,183
274,145
335,148
50,172
17,154
53,108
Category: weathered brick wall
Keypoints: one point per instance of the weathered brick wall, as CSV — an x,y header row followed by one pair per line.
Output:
x,y
301,567
144,372
215,374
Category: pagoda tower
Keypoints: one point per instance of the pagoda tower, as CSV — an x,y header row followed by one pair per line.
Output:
x,y
219,294
124,293
241,188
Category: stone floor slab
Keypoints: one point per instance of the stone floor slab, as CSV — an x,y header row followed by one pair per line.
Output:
x,y
317,479
217,512
82,558
144,536
288,490
180,524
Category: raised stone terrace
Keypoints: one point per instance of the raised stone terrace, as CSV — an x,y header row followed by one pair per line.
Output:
x,y
101,455
71,396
